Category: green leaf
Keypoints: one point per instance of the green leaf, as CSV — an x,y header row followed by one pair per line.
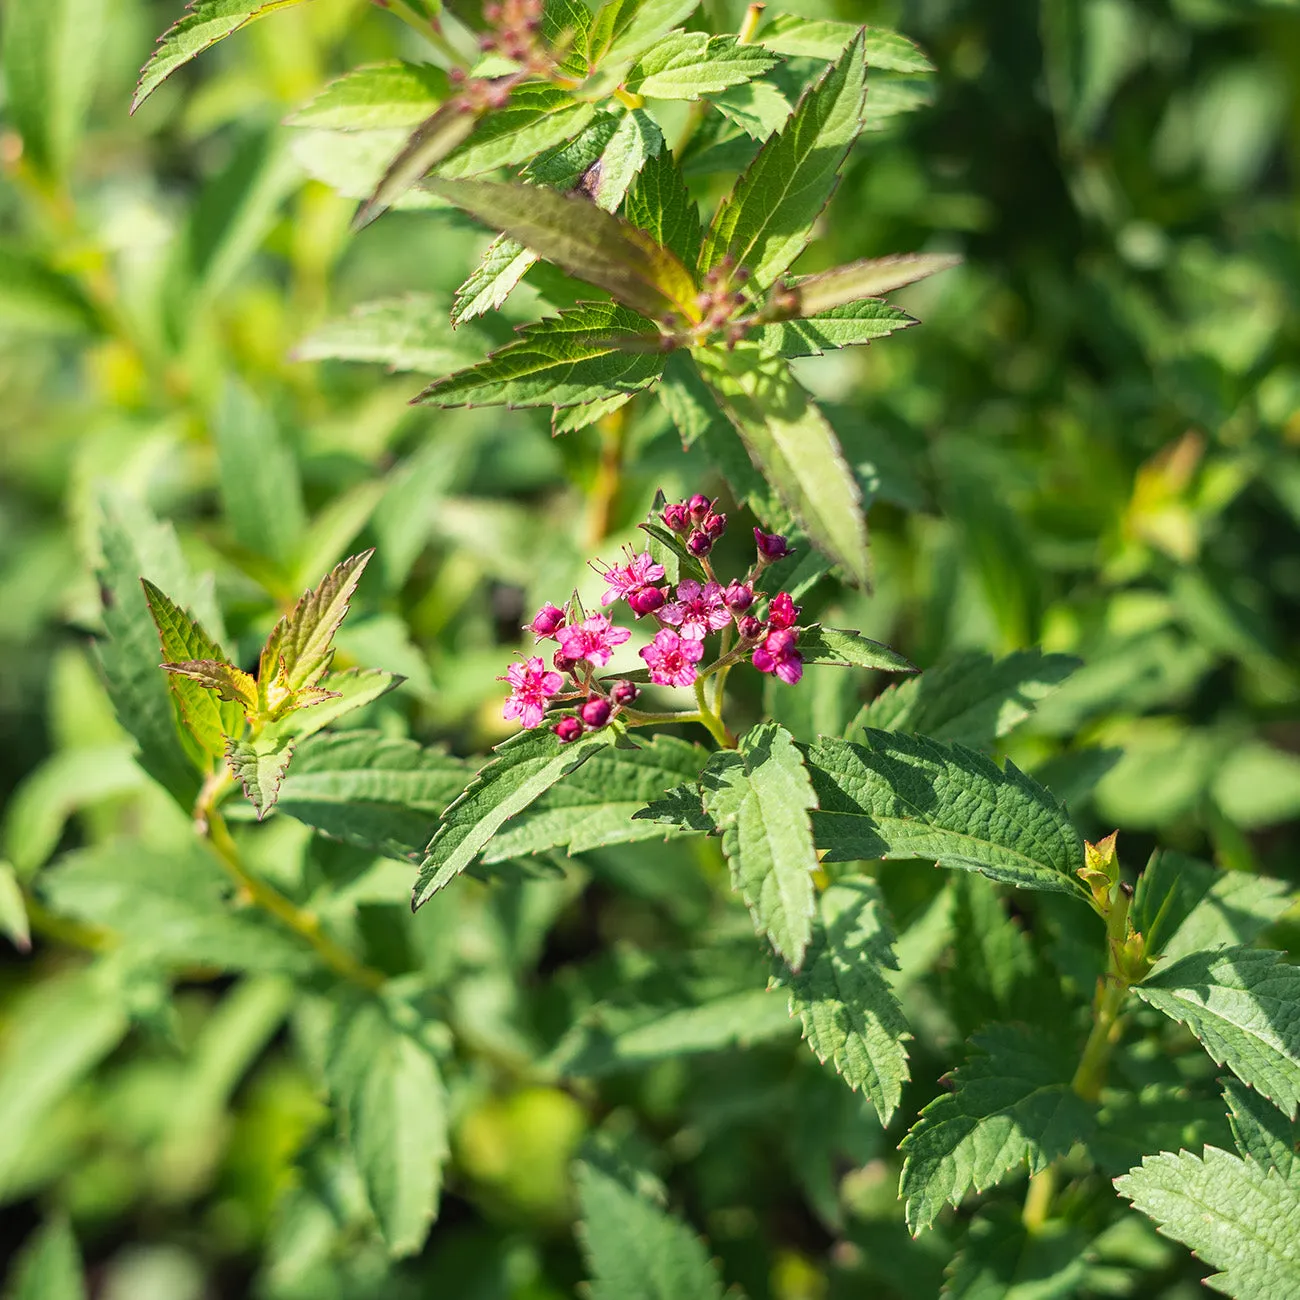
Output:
x,y
766,220
583,240
686,65
55,1034
504,265
659,204
538,117
259,764
849,649
636,140
910,797
1262,1133
170,906
393,1112
50,1266
13,909
841,327
1002,1259
210,717
596,805
823,38
759,796
1010,1103
892,97
625,29
35,299
682,806
634,1250
432,141
50,76
525,767
1243,1004
301,645
757,107
570,419
261,490
564,28
1239,1218
1236,908
850,1015
972,699
375,97
206,23
595,351
343,693
407,333
869,278
795,448
1161,1116
370,790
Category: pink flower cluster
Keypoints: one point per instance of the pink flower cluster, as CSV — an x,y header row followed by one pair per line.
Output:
x,y
687,616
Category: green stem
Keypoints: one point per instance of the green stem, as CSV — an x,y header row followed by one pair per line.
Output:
x,y
1038,1200
710,720
303,923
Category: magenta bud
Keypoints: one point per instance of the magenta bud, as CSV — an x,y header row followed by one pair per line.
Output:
x,y
623,692
562,663
677,518
771,546
699,506
699,543
782,612
548,621
739,596
645,600
714,525
567,729
595,712
750,627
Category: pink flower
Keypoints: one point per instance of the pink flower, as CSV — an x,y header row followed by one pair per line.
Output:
x,y
548,620
697,611
778,655
672,658
593,639
782,612
531,685
623,579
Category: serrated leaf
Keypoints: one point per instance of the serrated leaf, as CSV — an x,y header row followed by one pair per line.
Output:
x,y
49,1267
259,764
659,203
634,1250
49,79
1234,907
759,796
1010,1104
407,333
537,118
375,97
339,694
824,38
686,65
504,265
794,447
1262,1133
300,647
766,220
850,1015
972,699
593,352
1002,1259
206,23
393,1112
583,240
869,278
1160,1115
525,767
899,796
569,419
564,28
849,649
843,327
757,107
682,806
637,139
371,790
210,717
1239,1218
624,29
596,805
1243,1004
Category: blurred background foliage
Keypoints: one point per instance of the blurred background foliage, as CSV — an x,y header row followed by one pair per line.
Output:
x,y
1089,444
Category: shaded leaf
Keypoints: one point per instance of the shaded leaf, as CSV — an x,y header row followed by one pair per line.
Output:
x,y
50,1266
406,333
659,204
259,765
868,278
1262,1133
849,649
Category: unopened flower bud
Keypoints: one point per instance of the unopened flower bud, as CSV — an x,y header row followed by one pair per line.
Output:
x,y
677,518
548,620
714,525
646,600
568,729
699,543
624,692
750,627
595,712
562,663
771,546
782,612
699,506
739,596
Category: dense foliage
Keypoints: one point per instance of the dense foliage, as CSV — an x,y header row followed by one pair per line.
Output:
x,y
491,661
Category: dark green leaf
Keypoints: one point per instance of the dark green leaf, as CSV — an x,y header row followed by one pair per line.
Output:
x,y
1262,1133
849,649
659,204
1002,1259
